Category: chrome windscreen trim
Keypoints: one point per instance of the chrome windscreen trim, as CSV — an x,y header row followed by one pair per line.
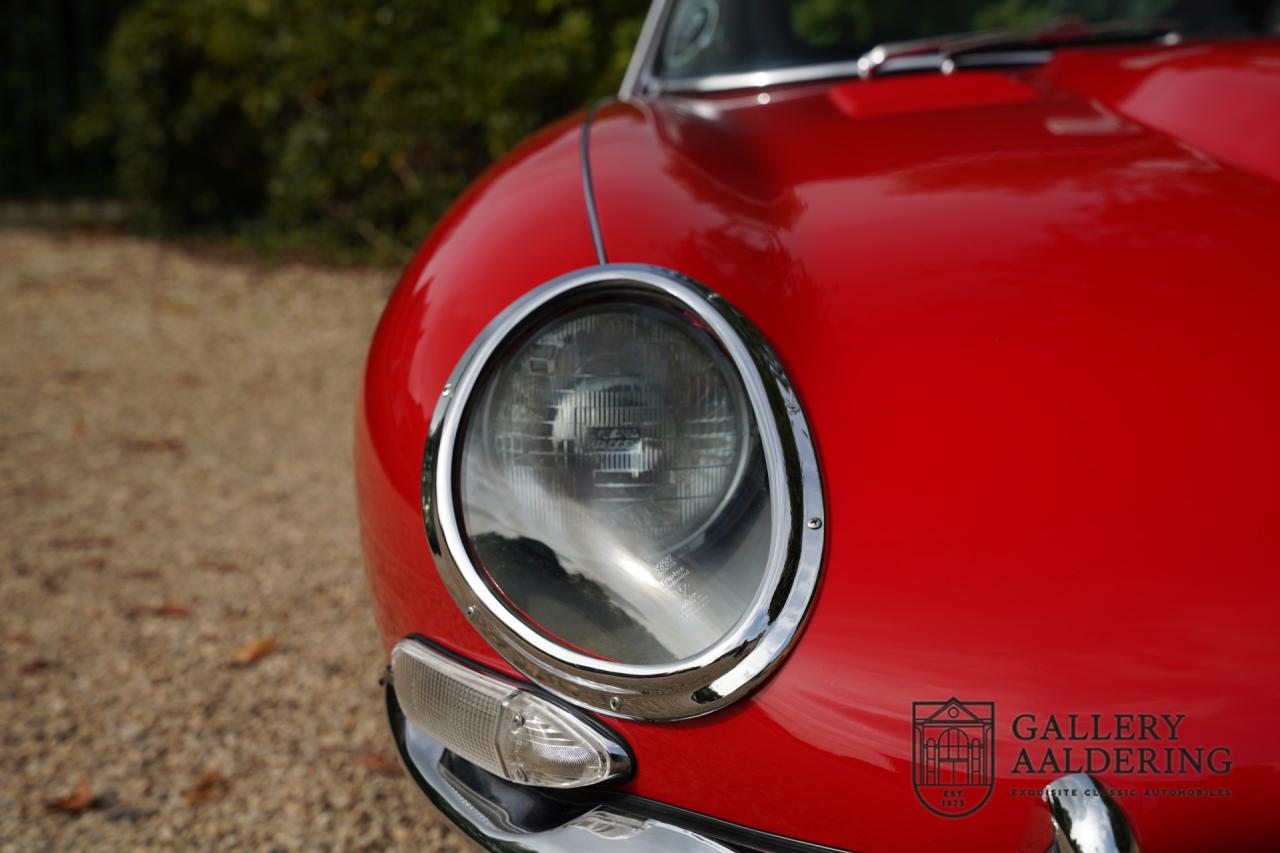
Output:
x,y
639,69
757,643
755,79
846,70
641,80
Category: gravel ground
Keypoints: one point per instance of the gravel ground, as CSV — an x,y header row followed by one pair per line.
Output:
x,y
188,657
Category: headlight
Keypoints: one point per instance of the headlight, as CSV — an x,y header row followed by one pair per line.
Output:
x,y
604,453
620,491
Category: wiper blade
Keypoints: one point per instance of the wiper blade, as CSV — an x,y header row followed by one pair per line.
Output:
x,y
1014,46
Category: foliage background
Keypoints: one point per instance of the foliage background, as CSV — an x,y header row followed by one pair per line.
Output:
x,y
350,124
345,123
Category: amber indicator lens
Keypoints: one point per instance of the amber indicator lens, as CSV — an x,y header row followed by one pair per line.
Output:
x,y
612,483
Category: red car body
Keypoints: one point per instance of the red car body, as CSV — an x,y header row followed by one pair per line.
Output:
x,y
1034,319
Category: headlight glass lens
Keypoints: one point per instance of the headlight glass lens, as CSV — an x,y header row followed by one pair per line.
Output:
x,y
612,485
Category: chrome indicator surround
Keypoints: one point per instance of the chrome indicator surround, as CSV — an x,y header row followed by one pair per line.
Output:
x,y
756,644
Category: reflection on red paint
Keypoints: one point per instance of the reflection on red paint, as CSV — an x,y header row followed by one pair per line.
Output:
x,y
1038,342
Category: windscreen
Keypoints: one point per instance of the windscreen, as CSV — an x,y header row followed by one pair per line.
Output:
x,y
706,37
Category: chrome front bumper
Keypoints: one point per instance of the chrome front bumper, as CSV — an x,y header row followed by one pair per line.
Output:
x,y
502,817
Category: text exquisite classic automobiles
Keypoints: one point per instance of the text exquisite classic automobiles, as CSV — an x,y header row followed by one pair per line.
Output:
x,y
827,445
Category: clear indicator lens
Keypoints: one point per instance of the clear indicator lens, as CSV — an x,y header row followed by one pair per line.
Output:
x,y
544,745
497,726
612,484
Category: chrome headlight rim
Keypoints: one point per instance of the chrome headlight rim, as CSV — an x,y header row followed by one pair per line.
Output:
x,y
743,658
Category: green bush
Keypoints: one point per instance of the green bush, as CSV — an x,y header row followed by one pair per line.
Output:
x,y
345,121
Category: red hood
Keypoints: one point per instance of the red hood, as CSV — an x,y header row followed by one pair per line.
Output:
x,y
1098,135
1036,337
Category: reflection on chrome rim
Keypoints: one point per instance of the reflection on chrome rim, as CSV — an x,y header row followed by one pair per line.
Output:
x,y
741,659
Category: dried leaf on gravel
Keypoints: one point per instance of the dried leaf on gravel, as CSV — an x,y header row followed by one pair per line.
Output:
x,y
210,787
375,763
153,445
222,567
34,666
71,377
80,799
169,610
253,652
178,307
82,543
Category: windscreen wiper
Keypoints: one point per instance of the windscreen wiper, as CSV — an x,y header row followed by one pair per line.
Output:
x,y
1007,47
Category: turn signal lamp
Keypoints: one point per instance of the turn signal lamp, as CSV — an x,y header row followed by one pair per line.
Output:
x,y
492,723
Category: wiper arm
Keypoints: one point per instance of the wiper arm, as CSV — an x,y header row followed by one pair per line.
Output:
x,y
1014,46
